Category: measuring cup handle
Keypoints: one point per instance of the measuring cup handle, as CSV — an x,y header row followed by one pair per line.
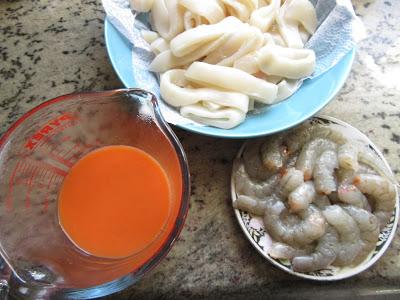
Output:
x,y
4,276
21,283
4,289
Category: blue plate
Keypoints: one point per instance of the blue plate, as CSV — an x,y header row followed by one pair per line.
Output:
x,y
307,101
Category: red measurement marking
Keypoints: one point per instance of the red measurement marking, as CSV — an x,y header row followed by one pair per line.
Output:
x,y
22,170
66,138
22,173
25,166
45,143
82,150
59,152
40,178
47,129
41,173
63,141
53,169
27,169
29,187
46,198
45,201
61,160
60,179
65,155
9,202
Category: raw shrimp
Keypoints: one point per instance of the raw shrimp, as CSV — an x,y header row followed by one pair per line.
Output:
x,y
297,138
366,169
383,192
323,256
252,161
348,156
369,230
251,205
350,194
246,186
345,177
305,133
315,190
273,153
284,251
333,197
291,161
371,159
301,197
326,132
321,201
352,154
310,226
380,188
290,181
324,179
349,234
310,152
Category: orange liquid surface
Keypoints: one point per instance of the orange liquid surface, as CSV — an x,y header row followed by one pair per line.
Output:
x,y
114,202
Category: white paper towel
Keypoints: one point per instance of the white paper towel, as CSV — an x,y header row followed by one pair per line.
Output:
x,y
339,30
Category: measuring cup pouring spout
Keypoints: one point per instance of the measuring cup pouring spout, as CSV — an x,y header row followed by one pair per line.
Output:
x,y
39,259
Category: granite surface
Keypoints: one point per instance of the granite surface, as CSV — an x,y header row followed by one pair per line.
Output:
x,y
50,48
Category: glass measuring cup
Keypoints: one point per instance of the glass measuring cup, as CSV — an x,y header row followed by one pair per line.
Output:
x,y
36,153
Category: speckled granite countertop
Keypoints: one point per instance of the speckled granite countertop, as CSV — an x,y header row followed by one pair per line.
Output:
x,y
50,48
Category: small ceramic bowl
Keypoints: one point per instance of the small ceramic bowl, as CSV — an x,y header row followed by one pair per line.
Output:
x,y
253,226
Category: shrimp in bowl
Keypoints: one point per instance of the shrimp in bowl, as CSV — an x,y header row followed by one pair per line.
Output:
x,y
328,207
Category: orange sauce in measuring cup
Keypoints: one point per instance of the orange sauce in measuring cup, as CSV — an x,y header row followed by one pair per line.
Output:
x,y
114,202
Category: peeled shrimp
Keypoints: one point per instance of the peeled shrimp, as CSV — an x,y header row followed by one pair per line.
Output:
x,y
348,156
246,186
291,162
310,226
290,181
349,234
324,179
369,230
251,205
370,158
284,251
301,197
378,187
382,191
321,201
323,256
325,132
316,190
345,177
297,138
252,161
309,154
303,135
350,194
366,169
333,198
273,154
